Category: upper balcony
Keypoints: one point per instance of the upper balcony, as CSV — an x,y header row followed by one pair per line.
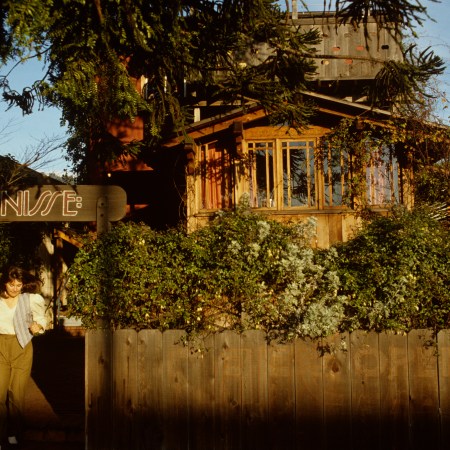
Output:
x,y
346,52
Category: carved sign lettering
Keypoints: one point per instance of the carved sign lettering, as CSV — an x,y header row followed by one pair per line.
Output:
x,y
62,203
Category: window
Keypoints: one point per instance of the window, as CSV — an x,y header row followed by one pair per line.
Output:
x,y
299,188
283,174
262,174
336,173
296,175
378,168
382,178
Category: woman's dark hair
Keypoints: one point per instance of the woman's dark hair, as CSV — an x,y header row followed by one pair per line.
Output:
x,y
31,283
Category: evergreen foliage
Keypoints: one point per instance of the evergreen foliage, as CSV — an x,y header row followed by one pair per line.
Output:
x,y
95,49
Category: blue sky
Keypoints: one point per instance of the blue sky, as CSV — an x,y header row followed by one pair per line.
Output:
x,y
24,132
20,134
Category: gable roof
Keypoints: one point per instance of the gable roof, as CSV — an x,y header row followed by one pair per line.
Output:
x,y
324,104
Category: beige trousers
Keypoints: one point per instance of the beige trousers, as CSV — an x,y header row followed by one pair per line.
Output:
x,y
15,372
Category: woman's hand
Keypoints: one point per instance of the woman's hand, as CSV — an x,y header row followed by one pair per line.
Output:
x,y
35,329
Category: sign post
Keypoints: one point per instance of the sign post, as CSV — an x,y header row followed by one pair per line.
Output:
x,y
103,224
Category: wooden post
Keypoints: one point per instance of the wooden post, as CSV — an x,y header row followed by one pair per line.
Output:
x,y
58,278
423,390
98,366
98,390
444,386
103,223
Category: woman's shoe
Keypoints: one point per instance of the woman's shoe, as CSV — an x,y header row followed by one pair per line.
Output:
x,y
12,443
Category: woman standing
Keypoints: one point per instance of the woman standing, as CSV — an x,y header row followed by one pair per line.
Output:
x,y
22,315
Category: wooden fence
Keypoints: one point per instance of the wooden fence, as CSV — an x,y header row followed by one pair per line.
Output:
x,y
367,391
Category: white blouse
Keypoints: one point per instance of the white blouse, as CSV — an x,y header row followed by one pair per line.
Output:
x,y
37,304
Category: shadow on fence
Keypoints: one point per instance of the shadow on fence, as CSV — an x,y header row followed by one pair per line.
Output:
x,y
58,370
369,391
54,415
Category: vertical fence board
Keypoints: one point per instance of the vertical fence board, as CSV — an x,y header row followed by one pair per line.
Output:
x,y
254,390
228,395
444,386
394,391
98,389
150,382
281,396
424,404
125,391
365,370
308,395
337,393
201,397
175,395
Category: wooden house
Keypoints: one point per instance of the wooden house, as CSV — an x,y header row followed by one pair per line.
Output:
x,y
228,155
288,175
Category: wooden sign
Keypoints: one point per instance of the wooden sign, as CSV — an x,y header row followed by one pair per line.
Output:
x,y
63,203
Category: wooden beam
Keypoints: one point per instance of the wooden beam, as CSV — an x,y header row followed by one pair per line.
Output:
x,y
214,126
67,238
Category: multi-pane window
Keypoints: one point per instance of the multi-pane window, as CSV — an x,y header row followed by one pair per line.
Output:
x,y
262,174
336,173
299,181
382,178
378,167
291,169
216,177
287,174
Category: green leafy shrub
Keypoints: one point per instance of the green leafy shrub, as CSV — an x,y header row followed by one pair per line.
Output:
x,y
129,278
241,272
395,273
244,271
432,183
264,275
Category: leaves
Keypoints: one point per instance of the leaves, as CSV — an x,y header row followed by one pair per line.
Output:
x,y
229,52
396,273
243,271
403,81
248,272
398,13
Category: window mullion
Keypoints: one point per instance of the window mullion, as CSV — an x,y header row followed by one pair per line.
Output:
x,y
343,173
289,176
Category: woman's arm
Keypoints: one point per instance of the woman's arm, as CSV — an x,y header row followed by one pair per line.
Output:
x,y
37,304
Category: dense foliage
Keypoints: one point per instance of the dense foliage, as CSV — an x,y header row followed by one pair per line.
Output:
x,y
242,272
248,272
95,51
395,273
432,183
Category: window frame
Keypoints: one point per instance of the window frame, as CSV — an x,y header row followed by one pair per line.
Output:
x,y
278,174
